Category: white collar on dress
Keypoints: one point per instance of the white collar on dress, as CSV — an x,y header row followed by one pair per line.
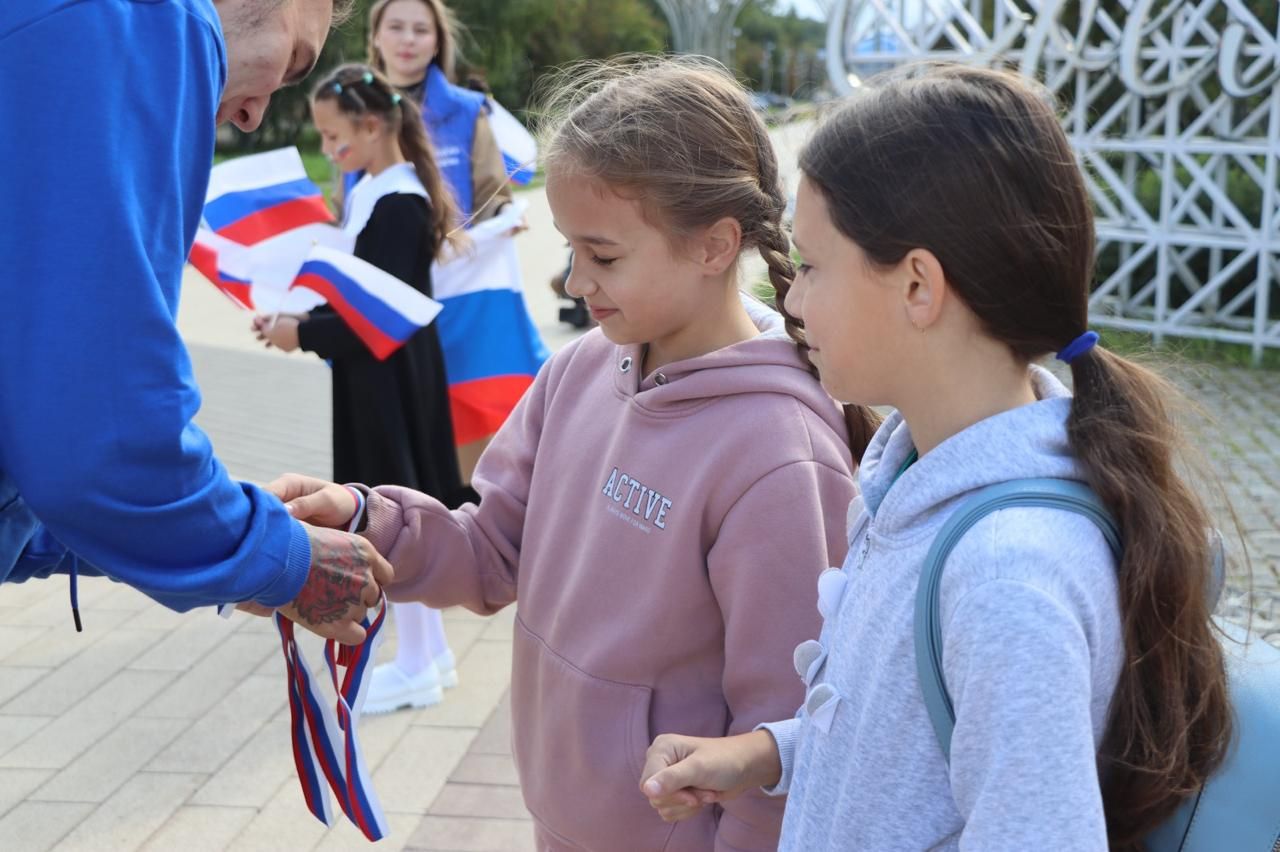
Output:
x,y
364,195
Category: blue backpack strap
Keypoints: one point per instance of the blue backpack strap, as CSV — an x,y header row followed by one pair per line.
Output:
x,y
1043,493
1239,806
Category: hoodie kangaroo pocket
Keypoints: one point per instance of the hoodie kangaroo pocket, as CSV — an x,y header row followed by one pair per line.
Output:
x,y
579,743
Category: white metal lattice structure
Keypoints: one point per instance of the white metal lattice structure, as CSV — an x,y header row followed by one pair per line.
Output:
x,y
1173,107
702,26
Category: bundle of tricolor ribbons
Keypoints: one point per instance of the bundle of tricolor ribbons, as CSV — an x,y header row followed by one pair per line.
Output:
x,y
326,752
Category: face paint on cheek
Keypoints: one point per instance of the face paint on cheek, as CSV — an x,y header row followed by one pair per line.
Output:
x,y
341,153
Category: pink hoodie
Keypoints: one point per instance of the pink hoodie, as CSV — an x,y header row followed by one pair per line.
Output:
x,y
662,534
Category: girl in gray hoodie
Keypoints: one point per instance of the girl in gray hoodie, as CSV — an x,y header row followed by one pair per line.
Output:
x,y
948,243
663,498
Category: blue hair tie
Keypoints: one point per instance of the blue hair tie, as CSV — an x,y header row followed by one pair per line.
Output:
x,y
1078,347
395,99
337,88
368,78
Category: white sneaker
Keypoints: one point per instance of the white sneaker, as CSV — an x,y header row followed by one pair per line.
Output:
x,y
390,689
447,666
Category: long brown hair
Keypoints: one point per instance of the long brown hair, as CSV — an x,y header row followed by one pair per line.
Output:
x,y
446,35
680,135
358,90
973,165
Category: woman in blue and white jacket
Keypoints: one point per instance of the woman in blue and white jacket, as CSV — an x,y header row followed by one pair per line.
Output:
x,y
412,42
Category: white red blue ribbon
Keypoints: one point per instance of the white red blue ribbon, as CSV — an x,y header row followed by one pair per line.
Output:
x,y
325,747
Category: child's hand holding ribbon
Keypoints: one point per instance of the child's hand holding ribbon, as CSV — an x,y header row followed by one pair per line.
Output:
x,y
320,503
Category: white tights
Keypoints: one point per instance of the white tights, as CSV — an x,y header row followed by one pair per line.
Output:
x,y
420,636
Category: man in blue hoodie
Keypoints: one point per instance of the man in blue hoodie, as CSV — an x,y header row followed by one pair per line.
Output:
x,y
109,110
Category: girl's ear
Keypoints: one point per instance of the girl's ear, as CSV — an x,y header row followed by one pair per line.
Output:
x,y
925,288
720,245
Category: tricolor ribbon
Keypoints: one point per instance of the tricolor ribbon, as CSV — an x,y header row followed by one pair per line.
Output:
x,y
325,749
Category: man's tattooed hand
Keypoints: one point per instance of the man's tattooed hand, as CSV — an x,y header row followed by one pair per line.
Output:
x,y
338,578
345,580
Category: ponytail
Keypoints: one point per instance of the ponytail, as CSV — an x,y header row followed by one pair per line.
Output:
x,y
445,225
1170,719
358,90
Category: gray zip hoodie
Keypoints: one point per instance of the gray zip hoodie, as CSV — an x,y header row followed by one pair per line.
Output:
x,y
1031,652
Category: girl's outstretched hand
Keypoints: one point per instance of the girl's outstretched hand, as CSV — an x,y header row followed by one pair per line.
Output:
x,y
280,330
319,503
682,775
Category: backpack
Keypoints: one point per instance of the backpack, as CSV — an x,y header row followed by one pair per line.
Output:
x,y
1238,808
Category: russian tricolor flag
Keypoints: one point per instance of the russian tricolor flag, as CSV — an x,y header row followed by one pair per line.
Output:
x,y
225,264
381,309
492,349
519,149
257,197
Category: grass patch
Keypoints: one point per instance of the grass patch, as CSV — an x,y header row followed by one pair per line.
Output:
x,y
1136,343
538,182
318,167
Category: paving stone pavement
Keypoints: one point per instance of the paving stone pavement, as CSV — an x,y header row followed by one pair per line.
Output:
x,y
1237,431
158,731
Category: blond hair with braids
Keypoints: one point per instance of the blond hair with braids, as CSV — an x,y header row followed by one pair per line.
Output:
x,y
679,135
357,91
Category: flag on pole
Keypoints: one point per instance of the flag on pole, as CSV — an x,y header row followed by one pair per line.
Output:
x,y
253,198
382,310
225,264
519,148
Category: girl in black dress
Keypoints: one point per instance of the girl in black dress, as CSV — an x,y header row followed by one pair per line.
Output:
x,y
391,419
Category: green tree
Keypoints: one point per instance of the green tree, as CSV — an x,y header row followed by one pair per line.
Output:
x,y
508,42
779,52
513,42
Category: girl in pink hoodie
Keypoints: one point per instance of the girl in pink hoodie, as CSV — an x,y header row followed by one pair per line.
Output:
x,y
666,493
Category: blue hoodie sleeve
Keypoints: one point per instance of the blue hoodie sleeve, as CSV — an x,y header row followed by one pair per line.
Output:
x,y
106,169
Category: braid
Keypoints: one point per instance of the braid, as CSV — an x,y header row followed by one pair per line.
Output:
x,y
772,242
775,248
